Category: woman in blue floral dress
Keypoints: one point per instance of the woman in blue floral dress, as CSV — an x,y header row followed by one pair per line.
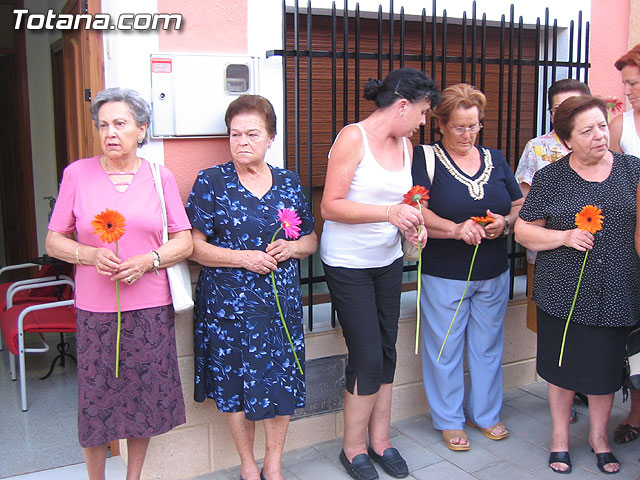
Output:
x,y
243,359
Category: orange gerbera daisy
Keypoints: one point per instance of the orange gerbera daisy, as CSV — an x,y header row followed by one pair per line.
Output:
x,y
417,194
589,219
483,220
109,225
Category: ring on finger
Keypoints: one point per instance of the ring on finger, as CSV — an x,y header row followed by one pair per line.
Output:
x,y
99,265
129,279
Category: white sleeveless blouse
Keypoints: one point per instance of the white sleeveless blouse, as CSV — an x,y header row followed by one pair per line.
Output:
x,y
368,245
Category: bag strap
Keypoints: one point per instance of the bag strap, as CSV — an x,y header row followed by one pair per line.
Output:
x,y
430,161
155,169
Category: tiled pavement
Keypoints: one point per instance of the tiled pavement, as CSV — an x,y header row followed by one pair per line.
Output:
x,y
523,455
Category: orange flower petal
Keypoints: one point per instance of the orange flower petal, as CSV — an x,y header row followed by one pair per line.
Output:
x,y
589,219
483,220
417,194
109,225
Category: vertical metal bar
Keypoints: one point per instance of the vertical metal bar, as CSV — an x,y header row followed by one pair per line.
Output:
x,y
571,32
434,42
474,22
579,53
402,33
296,98
334,60
554,52
357,67
536,79
345,64
285,116
380,33
508,151
510,86
423,53
443,83
519,93
586,51
483,64
463,66
501,85
391,34
334,102
310,154
545,73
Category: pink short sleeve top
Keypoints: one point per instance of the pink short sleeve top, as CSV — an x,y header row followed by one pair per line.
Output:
x,y
86,190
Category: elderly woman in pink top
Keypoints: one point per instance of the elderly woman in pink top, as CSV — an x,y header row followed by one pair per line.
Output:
x,y
146,397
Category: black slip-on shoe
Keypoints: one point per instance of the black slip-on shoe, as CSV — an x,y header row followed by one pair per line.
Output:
x,y
391,462
360,467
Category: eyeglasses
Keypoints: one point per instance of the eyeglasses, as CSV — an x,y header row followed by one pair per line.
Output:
x,y
473,129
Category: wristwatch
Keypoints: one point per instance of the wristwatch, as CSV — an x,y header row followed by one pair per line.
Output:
x,y
156,260
507,227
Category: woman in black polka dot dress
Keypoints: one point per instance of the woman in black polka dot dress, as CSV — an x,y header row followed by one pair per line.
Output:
x,y
608,302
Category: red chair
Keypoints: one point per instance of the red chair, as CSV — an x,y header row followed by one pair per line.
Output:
x,y
45,274
51,316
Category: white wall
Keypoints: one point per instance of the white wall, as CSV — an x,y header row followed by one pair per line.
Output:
x,y
126,59
41,115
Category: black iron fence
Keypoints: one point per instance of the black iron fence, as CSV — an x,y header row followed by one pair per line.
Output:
x,y
328,55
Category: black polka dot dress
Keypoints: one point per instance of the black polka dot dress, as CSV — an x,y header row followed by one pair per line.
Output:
x,y
608,302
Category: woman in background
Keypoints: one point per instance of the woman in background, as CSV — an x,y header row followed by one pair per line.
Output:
x,y
625,138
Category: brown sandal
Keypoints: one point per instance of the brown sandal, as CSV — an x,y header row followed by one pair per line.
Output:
x,y
449,435
488,432
625,433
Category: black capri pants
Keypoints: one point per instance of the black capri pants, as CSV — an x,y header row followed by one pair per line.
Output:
x,y
368,304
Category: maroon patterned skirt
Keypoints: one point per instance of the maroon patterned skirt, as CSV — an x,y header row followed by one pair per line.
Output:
x,y
146,398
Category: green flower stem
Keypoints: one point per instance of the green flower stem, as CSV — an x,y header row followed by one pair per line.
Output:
x,y
119,320
573,304
473,259
284,324
419,285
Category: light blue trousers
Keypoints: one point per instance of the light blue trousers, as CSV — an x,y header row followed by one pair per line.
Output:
x,y
480,322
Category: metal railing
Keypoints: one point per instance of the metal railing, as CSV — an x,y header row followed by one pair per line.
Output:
x,y
329,54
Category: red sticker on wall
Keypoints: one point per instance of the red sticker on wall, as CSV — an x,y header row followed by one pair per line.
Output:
x,y
160,65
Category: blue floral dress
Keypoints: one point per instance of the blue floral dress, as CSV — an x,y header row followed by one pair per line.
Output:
x,y
243,359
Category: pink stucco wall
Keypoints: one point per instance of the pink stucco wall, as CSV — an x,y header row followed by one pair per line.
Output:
x,y
211,26
609,40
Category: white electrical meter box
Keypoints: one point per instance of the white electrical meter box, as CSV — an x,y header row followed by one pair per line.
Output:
x,y
191,92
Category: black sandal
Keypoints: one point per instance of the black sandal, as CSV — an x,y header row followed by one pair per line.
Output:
x,y
560,457
605,458
625,433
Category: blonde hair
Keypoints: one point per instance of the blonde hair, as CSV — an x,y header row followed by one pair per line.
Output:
x,y
456,96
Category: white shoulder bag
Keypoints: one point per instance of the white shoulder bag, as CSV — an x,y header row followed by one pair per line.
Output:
x,y
411,252
178,275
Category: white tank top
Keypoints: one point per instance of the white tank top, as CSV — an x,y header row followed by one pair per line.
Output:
x,y
629,140
368,245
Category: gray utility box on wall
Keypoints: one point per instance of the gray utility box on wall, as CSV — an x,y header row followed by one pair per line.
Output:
x,y
191,92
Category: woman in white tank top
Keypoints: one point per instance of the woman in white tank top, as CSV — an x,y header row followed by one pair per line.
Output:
x,y
625,128
369,171
625,138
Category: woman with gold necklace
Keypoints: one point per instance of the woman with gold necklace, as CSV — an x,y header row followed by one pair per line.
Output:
x,y
145,399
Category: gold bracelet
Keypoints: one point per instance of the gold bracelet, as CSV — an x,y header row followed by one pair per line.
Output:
x,y
78,255
388,208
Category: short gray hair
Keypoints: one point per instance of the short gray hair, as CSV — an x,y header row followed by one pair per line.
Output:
x,y
138,106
